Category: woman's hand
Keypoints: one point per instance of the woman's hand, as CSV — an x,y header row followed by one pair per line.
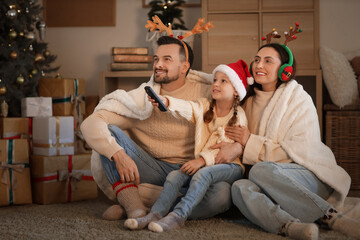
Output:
x,y
240,134
163,99
192,166
228,152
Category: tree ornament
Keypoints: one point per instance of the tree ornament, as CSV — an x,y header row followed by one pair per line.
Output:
x,y
30,35
14,55
2,90
39,57
20,79
12,34
11,14
4,109
47,53
41,27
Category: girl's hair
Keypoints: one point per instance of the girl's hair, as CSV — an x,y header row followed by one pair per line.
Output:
x,y
209,114
284,57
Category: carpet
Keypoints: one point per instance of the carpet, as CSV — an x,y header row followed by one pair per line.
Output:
x,y
82,220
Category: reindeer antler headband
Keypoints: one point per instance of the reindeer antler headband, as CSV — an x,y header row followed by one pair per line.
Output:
x,y
198,28
289,36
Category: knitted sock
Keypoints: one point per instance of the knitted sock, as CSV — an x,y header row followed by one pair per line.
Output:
x,y
114,212
142,222
129,198
338,222
301,231
171,221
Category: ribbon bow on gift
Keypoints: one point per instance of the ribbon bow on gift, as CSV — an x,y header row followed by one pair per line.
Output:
x,y
74,177
77,100
5,178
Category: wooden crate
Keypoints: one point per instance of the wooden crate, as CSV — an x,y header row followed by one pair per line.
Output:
x,y
342,135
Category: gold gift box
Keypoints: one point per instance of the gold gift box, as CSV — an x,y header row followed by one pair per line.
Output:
x,y
15,185
61,179
14,128
63,92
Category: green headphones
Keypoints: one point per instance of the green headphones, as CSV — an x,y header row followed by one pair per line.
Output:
x,y
286,70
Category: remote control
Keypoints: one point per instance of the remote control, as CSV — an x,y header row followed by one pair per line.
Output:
x,y
154,96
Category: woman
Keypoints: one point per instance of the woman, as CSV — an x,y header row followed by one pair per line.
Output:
x,y
294,179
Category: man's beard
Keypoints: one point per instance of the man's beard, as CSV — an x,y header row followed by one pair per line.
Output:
x,y
166,79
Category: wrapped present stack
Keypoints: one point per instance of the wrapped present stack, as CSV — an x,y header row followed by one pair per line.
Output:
x,y
60,165
15,185
130,59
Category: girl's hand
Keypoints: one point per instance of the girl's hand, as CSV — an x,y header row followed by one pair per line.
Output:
x,y
239,134
163,99
192,166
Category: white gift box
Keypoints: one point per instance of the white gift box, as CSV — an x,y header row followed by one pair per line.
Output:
x,y
53,136
36,107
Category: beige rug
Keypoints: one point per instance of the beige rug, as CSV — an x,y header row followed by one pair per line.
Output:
x,y
82,220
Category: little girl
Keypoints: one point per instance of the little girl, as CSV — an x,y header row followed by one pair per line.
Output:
x,y
210,118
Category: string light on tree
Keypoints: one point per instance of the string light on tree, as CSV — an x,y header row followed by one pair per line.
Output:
x,y
169,12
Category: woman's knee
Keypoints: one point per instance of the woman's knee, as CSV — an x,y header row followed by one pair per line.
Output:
x,y
262,170
240,186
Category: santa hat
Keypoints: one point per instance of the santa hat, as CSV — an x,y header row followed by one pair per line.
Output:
x,y
239,75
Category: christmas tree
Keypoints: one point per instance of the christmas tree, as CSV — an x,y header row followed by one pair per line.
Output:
x,y
169,12
24,57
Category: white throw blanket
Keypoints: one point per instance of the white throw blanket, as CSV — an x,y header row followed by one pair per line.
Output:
x,y
290,119
133,104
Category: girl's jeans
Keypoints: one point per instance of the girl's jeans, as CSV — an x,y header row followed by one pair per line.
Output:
x,y
199,183
217,199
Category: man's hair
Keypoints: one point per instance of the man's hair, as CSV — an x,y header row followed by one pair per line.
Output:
x,y
165,40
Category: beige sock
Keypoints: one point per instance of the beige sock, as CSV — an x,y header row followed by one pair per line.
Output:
x,y
129,198
170,222
140,223
338,222
301,231
114,212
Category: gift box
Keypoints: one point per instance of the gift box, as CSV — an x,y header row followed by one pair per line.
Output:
x,y
61,179
36,106
12,128
15,185
68,95
53,136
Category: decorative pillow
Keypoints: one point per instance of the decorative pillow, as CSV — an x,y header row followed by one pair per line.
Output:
x,y
339,77
355,63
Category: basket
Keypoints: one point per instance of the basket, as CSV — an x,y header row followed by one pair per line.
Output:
x,y
342,135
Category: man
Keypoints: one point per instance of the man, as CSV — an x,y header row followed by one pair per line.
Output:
x,y
156,143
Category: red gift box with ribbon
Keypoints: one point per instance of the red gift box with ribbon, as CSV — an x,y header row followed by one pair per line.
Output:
x,y
61,179
15,185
